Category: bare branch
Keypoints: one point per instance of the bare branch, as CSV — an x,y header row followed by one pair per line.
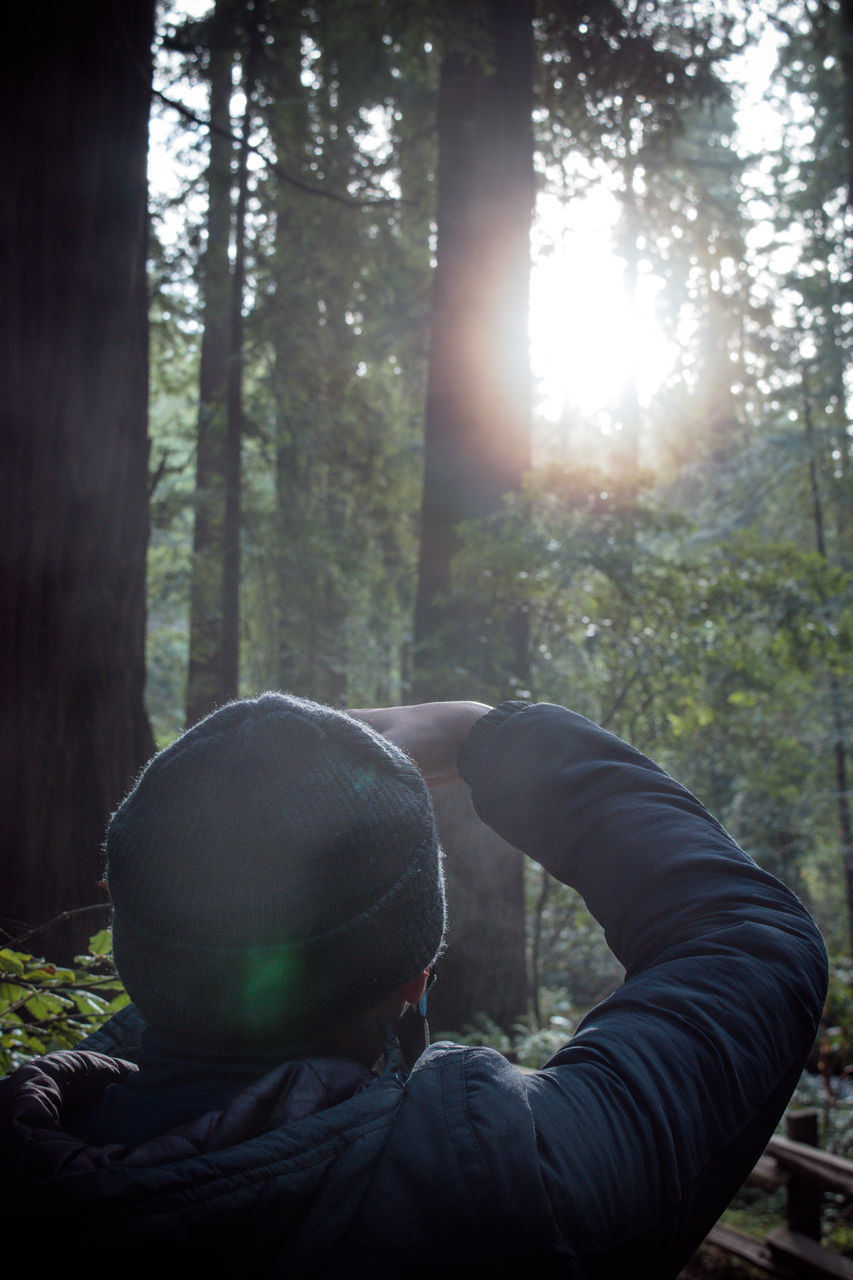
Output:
x,y
352,201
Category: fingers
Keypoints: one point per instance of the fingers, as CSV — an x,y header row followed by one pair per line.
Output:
x,y
430,732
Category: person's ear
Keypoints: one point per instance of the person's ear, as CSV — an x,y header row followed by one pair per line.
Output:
x,y
414,990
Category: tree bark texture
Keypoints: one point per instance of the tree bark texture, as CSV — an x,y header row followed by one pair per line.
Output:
x,y
476,449
311,608
477,429
206,685
483,969
74,511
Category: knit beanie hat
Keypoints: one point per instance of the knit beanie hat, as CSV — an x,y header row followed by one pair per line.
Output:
x,y
275,867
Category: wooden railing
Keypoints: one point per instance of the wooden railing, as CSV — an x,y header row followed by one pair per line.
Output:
x,y
793,1251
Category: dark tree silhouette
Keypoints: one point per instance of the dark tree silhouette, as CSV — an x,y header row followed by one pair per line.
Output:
x,y
73,390
477,430
206,682
476,449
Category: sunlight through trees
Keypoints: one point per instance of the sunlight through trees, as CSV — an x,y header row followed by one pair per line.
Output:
x,y
633,498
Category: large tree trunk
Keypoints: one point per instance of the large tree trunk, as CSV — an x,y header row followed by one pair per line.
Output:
x,y
206,679
74,512
307,652
483,970
477,447
477,428
234,416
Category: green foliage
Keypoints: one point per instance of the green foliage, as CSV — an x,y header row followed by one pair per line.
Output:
x,y
527,1044
44,1006
483,1030
710,653
570,963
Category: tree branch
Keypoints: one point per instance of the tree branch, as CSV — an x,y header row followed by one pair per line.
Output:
x,y
351,201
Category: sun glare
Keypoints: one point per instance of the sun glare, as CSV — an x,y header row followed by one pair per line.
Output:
x,y
586,339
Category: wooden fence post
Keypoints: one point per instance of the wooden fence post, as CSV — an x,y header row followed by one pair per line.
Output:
x,y
805,1198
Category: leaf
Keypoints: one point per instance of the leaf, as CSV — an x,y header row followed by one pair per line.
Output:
x,y
45,1004
88,1003
12,961
48,974
101,943
10,993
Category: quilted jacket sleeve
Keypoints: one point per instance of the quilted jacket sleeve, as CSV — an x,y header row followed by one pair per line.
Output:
x,y
650,1118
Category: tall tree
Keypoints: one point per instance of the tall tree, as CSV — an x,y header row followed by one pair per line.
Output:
x,y
477,426
234,404
73,519
213,675
206,680
476,449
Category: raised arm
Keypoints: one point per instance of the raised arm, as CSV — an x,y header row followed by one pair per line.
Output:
x,y
650,1118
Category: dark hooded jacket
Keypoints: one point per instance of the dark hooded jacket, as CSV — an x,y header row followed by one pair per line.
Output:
x,y
615,1159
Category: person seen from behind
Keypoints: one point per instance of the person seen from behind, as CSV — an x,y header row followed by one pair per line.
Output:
x,y
269,1105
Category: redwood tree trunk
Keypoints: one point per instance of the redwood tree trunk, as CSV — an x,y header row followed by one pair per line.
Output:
x,y
206,682
477,429
476,448
74,510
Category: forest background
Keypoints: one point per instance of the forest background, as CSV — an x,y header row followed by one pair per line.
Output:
x,y
281,419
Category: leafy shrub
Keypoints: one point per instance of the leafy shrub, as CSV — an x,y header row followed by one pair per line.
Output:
x,y
45,1007
535,1046
483,1031
526,1044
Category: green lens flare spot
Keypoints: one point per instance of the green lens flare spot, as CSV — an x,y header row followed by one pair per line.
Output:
x,y
269,980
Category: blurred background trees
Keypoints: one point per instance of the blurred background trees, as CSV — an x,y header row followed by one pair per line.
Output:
x,y
362,491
